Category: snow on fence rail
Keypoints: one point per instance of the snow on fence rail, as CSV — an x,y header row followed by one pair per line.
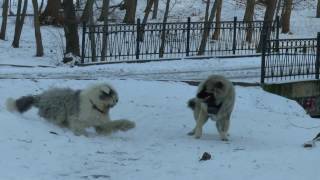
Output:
x,y
141,42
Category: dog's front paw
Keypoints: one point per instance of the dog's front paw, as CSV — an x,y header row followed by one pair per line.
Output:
x,y
198,134
105,130
80,133
126,125
191,133
224,136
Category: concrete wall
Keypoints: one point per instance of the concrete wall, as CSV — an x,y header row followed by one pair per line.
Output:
x,y
306,93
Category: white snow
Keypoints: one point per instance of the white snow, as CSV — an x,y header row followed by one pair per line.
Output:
x,y
266,136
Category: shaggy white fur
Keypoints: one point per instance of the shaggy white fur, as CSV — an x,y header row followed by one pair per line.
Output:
x,y
11,105
76,110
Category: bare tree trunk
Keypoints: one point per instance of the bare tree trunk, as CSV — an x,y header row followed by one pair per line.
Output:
x,y
130,16
87,11
318,9
278,7
87,16
163,33
285,19
37,31
102,14
147,11
78,4
248,14
41,5
248,18
206,16
206,30
92,36
71,28
283,11
18,19
106,4
155,9
5,8
19,22
145,18
268,18
218,21
51,14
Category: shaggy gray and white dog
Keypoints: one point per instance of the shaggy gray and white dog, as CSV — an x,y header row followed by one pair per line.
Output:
x,y
75,109
215,99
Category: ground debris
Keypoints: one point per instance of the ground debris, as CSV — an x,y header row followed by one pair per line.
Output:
x,y
96,176
52,132
312,143
205,156
309,144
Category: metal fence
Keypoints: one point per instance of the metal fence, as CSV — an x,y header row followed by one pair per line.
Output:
x,y
123,44
290,59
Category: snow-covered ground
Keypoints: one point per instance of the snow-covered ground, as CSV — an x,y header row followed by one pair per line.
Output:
x,y
266,138
266,135
237,69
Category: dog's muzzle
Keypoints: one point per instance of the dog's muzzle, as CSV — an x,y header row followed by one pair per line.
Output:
x,y
210,100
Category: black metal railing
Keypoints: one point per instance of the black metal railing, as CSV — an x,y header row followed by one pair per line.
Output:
x,y
290,59
141,42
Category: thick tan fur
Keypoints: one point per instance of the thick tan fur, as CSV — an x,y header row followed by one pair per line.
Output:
x,y
224,94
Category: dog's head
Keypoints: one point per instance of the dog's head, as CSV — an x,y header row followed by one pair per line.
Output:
x,y
213,90
102,96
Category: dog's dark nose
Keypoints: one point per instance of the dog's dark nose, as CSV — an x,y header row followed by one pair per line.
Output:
x,y
203,95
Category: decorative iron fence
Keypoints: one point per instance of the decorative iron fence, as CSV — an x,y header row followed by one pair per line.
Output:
x,y
290,59
142,42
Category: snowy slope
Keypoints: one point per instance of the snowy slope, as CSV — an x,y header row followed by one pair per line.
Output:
x,y
303,24
25,54
266,138
236,69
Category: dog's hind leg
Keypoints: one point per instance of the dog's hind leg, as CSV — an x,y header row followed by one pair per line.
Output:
x,y
77,127
201,120
223,124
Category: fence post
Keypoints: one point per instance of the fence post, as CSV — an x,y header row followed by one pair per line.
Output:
x,y
83,41
138,38
277,32
162,40
263,57
234,42
188,36
318,56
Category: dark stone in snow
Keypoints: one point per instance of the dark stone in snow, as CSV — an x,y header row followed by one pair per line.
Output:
x,y
206,156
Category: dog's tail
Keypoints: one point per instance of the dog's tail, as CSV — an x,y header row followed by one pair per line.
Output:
x,y
192,103
20,105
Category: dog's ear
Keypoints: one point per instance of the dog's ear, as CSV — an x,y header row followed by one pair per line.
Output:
x,y
105,89
218,85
